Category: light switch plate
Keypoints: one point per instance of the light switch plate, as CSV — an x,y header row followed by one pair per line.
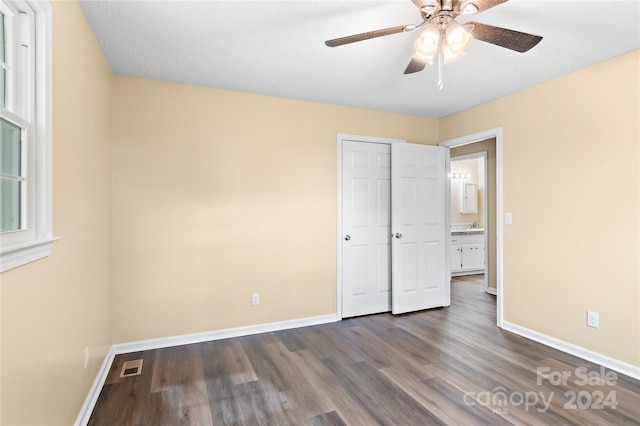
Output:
x,y
508,218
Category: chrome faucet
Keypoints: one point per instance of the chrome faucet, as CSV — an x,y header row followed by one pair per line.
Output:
x,y
475,225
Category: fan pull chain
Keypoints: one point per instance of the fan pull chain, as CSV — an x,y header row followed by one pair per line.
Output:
x,y
440,62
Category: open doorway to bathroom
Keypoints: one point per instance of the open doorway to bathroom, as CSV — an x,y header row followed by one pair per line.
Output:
x,y
474,230
470,217
491,141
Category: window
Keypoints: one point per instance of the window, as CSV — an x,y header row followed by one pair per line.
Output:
x,y
25,132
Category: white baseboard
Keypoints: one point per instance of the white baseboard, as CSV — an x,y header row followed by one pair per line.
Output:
x,y
187,339
463,273
589,355
492,290
165,342
96,387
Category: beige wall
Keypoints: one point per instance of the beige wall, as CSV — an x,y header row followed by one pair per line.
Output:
x,y
218,195
571,161
489,146
53,308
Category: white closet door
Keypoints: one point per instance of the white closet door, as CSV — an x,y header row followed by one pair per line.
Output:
x,y
419,261
366,222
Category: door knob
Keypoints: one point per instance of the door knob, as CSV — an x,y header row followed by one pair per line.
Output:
x,y
347,237
398,235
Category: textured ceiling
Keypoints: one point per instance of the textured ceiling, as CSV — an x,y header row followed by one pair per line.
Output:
x,y
277,48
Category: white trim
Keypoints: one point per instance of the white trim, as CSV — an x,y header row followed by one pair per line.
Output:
x,y
341,138
19,255
187,339
478,137
44,118
96,388
447,222
589,355
40,218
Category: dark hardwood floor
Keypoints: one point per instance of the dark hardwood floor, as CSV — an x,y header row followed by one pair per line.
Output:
x,y
442,366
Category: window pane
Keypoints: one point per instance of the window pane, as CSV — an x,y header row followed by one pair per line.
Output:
x,y
9,148
10,165
10,205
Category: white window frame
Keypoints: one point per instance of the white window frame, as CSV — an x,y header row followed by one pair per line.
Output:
x,y
35,240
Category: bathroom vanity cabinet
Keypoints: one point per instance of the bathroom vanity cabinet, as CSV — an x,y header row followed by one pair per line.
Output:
x,y
467,252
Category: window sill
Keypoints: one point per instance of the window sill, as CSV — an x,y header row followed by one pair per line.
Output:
x,y
18,255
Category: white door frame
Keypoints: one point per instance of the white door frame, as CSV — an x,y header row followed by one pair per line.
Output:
x,y
485,207
341,138
478,137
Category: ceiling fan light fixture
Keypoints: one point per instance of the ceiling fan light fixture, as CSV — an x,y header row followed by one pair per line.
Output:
x,y
457,38
449,55
428,42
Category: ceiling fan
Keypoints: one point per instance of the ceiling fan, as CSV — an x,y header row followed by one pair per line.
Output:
x,y
444,37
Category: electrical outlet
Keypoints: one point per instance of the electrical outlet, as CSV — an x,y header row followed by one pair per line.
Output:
x,y
255,299
593,319
86,357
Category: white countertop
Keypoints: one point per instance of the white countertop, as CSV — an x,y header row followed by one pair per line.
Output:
x,y
467,231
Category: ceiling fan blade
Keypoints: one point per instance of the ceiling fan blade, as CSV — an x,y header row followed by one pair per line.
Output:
x,y
487,4
368,35
510,39
416,64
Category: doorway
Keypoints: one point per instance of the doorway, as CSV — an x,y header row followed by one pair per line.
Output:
x,y
494,268
471,222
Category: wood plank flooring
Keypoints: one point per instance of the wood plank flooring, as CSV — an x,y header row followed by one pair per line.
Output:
x,y
443,366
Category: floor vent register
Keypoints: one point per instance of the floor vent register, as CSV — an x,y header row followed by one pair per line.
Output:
x,y
131,368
